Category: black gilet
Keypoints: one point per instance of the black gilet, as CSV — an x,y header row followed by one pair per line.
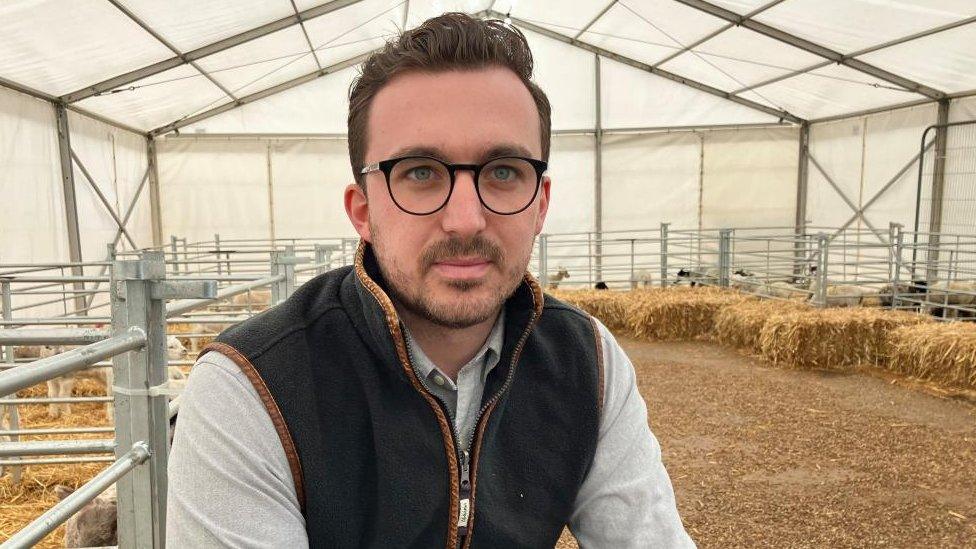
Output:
x,y
374,454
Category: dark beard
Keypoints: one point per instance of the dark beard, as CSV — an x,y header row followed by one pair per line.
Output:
x,y
451,317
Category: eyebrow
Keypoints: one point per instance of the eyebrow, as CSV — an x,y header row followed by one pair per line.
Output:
x,y
505,149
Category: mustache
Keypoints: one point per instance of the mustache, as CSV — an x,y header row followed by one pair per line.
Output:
x,y
454,247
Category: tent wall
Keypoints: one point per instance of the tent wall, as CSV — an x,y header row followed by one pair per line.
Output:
x,y
861,155
116,160
32,221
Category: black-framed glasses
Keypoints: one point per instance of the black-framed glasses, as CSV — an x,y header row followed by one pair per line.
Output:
x,y
422,185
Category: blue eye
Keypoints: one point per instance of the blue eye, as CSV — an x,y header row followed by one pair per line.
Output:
x,y
422,173
502,173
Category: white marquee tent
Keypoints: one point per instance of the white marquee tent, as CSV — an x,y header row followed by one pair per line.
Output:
x,y
194,118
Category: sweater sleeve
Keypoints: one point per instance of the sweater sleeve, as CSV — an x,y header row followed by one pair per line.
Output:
x,y
229,480
626,500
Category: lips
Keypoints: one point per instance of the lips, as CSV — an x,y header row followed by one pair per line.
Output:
x,y
462,267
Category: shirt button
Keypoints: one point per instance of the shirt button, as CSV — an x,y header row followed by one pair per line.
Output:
x,y
438,379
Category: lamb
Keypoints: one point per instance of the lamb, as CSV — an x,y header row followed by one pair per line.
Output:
x,y
947,296
95,524
601,285
642,279
786,290
259,299
62,387
554,279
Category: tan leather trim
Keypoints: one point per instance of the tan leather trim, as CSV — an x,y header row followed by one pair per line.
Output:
x,y
538,300
600,367
393,322
273,411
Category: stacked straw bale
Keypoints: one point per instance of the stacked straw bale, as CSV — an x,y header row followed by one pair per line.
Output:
x,y
608,306
943,352
667,314
739,325
681,313
831,339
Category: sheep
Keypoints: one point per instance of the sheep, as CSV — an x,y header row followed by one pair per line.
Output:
x,y
95,524
62,387
554,279
601,285
642,278
846,295
947,297
258,299
785,290
697,278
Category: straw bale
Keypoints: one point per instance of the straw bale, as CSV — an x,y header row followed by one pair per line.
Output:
x,y
676,314
669,314
943,352
610,307
739,324
831,339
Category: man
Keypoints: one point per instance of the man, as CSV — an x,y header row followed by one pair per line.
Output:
x,y
428,396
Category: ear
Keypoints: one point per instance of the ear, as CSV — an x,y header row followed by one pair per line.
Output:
x,y
543,204
63,491
357,208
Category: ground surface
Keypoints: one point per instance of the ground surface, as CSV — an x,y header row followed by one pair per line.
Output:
x,y
765,457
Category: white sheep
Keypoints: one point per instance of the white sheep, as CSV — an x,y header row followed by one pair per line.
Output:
x,y
642,278
554,279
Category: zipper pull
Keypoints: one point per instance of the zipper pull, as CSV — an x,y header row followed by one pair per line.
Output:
x,y
464,509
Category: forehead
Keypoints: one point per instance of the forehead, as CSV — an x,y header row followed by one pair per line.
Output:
x,y
461,113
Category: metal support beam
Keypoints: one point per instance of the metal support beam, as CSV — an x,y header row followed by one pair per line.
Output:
x,y
204,51
938,189
802,179
155,211
844,197
261,94
861,52
308,40
103,199
118,5
595,19
781,114
598,175
70,200
37,94
715,33
815,49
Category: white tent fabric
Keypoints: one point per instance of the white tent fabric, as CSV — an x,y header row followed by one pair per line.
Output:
x,y
665,67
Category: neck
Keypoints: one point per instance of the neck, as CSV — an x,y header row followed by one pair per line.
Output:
x,y
448,348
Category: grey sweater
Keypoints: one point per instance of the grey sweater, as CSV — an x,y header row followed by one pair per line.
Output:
x,y
230,484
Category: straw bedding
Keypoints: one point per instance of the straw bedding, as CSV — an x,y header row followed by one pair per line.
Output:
x,y
738,325
831,339
943,352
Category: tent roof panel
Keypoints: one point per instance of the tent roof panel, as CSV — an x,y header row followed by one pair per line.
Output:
x,y
742,7
569,19
189,24
570,84
954,49
665,102
830,91
738,58
421,10
158,99
302,109
57,47
347,33
650,31
851,25
623,32
261,63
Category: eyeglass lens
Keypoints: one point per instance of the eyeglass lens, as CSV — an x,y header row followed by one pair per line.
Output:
x,y
422,185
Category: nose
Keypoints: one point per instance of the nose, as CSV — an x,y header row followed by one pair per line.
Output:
x,y
463,214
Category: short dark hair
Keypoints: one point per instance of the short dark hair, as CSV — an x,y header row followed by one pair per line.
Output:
x,y
452,41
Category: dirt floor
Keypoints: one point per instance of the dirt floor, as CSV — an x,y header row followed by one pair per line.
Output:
x,y
765,457
759,456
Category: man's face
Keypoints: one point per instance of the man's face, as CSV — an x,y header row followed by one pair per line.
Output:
x,y
457,266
